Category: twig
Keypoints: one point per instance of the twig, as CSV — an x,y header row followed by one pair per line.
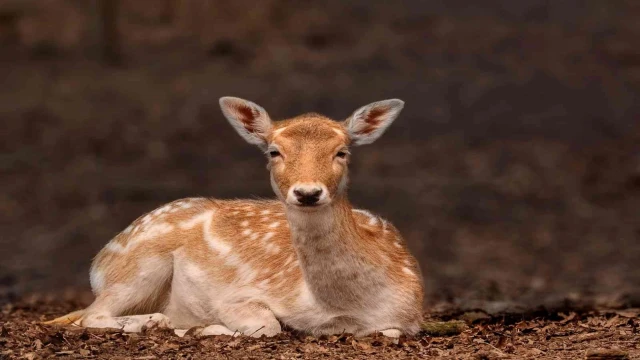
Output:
x,y
232,336
262,327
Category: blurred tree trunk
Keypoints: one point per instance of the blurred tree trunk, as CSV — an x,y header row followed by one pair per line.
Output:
x,y
110,37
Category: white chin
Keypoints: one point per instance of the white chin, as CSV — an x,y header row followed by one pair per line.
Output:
x,y
299,206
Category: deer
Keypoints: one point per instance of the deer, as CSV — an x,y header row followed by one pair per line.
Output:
x,y
307,261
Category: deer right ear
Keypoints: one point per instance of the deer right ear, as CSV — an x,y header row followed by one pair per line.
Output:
x,y
369,122
250,120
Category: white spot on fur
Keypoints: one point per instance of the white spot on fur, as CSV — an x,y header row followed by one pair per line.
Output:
x,y
152,232
196,220
265,212
373,220
265,219
186,205
148,233
161,210
274,225
128,229
289,260
274,249
268,236
254,236
397,244
115,247
408,271
235,213
246,232
244,223
250,213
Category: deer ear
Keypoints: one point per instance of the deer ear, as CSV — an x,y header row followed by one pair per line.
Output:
x,y
250,120
370,121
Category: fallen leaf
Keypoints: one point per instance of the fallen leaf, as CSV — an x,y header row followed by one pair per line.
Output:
x,y
629,313
567,318
474,316
611,322
606,354
84,352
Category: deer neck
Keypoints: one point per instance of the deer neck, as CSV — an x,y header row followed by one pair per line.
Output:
x,y
330,252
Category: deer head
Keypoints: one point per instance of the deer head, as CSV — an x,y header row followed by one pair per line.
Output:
x,y
308,155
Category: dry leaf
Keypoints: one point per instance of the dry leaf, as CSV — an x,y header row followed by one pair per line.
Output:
x,y
629,313
613,321
606,354
567,318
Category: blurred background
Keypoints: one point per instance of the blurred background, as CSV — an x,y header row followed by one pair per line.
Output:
x,y
513,172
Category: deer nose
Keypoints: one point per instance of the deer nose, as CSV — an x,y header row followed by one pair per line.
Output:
x,y
307,196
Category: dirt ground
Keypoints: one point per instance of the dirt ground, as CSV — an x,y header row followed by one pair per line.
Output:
x,y
587,334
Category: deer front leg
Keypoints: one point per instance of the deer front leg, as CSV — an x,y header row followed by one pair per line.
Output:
x,y
250,318
133,323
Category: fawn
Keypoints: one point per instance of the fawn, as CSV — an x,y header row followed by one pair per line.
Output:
x,y
309,261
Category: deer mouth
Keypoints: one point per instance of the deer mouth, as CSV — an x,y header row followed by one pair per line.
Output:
x,y
309,207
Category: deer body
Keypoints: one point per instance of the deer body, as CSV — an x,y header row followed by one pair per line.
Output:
x,y
309,261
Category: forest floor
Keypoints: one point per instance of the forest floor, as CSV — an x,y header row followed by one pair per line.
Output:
x,y
602,334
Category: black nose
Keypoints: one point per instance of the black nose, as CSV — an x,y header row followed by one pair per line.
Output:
x,y
308,196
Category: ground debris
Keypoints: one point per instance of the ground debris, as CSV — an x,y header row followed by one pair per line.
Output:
x,y
572,335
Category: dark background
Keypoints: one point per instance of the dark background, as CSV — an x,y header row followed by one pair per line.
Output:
x,y
513,172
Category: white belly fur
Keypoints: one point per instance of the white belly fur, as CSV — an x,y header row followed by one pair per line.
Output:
x,y
196,301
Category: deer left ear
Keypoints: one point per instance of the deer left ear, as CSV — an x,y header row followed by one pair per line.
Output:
x,y
250,120
369,122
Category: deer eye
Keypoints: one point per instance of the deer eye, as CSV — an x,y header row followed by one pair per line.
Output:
x,y
341,154
274,153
